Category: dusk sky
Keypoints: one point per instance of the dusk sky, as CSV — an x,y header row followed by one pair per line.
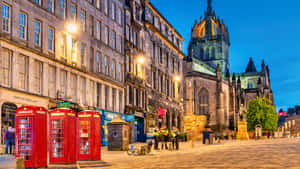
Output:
x,y
261,29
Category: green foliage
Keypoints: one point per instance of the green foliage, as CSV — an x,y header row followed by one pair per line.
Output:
x,y
261,111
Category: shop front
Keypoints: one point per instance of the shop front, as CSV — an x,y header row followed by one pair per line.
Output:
x,y
108,116
139,127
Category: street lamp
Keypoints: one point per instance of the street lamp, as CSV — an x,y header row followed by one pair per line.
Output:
x,y
177,78
141,60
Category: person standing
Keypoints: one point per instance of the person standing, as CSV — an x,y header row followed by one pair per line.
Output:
x,y
165,133
155,134
176,139
8,140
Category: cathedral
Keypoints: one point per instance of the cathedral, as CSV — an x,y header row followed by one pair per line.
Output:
x,y
210,88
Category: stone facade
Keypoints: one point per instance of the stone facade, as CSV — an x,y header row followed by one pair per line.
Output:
x,y
43,61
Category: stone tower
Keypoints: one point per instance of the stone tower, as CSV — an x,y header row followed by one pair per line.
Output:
x,y
210,41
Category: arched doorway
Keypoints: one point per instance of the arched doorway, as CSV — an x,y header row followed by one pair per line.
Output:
x,y
8,114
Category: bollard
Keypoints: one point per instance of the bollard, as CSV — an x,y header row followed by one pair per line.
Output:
x,y
20,163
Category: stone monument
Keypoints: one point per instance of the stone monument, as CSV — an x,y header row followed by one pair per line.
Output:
x,y
242,133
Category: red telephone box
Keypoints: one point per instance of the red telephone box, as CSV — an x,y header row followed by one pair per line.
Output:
x,y
62,136
31,135
89,135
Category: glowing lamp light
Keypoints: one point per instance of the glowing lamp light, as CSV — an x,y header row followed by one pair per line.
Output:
x,y
177,78
141,60
72,28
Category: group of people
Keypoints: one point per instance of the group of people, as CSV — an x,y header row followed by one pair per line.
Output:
x,y
165,135
9,137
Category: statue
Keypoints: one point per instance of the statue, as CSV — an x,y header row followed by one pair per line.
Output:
x,y
242,133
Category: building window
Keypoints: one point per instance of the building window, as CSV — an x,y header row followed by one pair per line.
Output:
x,y
167,59
106,37
153,50
120,102
153,80
178,67
120,71
83,53
38,76
63,43
167,87
23,26
98,62
83,20
207,53
203,102
39,2
37,33
120,44
5,67
63,84
99,92
113,68
98,30
113,11
134,37
6,18
119,16
106,97
173,64
73,87
98,4
91,92
160,56
74,50
51,6
106,65
62,9
113,39
52,82
106,7
73,12
127,32
137,97
23,72
82,90
114,94
51,39
161,89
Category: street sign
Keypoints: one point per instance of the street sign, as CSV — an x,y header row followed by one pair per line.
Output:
x,y
64,104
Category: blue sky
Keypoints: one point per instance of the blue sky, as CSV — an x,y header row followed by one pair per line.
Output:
x,y
261,29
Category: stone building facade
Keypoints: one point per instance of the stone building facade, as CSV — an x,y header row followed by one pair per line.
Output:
x,y
63,50
215,92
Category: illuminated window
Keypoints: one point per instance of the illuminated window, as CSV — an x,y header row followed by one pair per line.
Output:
x,y
5,67
74,50
98,4
106,37
63,45
51,39
6,18
37,33
23,26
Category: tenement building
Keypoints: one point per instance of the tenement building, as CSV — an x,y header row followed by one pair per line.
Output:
x,y
163,70
215,92
61,50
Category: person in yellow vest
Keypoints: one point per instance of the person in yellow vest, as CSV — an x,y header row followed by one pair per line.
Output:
x,y
165,133
175,137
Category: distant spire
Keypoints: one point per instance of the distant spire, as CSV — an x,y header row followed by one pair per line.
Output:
x,y
209,7
251,67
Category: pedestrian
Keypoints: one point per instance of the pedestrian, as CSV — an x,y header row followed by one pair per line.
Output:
x,y
155,135
165,133
13,140
177,139
173,137
8,140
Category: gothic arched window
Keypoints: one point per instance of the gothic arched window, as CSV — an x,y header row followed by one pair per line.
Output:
x,y
203,102
206,53
201,53
213,53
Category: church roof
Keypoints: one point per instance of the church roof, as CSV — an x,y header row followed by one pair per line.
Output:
x,y
251,67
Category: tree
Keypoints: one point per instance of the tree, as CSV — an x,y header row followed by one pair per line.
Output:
x,y
261,111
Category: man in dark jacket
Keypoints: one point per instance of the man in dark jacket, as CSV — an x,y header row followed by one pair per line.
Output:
x,y
9,137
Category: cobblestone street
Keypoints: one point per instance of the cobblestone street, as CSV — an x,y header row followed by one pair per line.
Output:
x,y
279,153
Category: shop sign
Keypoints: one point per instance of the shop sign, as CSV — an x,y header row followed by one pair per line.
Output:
x,y
109,116
129,117
64,104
